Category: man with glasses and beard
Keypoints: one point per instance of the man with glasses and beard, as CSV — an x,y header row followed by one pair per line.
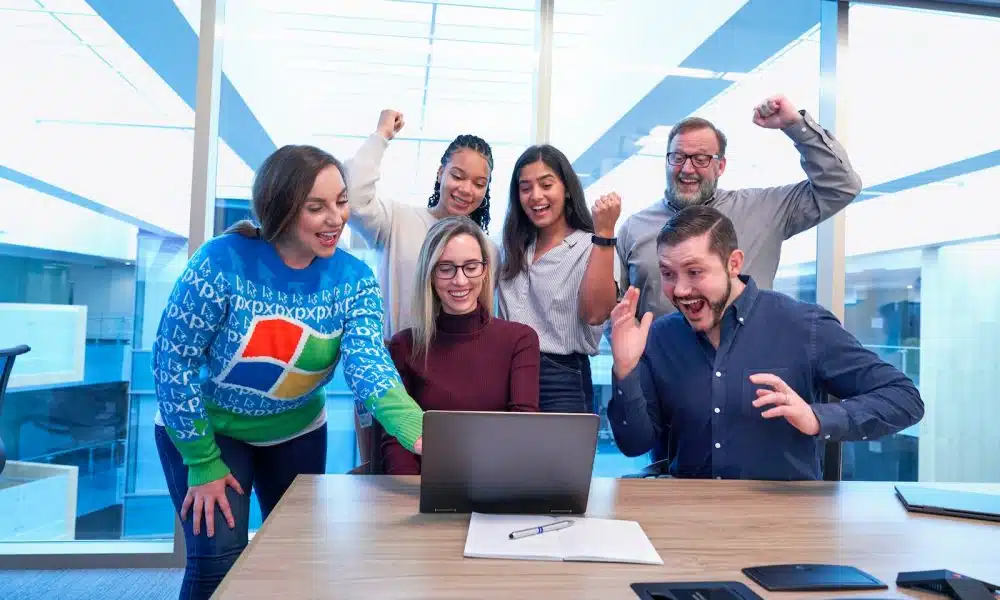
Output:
x,y
738,378
764,217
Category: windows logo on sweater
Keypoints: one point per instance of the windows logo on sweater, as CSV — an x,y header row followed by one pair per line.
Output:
x,y
281,358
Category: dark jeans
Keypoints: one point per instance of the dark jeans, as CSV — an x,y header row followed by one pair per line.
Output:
x,y
267,469
565,385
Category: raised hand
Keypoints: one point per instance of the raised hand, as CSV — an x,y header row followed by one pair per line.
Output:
x,y
776,112
389,123
606,211
628,336
786,403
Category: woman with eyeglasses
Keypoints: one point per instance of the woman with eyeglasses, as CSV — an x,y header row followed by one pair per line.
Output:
x,y
559,272
457,356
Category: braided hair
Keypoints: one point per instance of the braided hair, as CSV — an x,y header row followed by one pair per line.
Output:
x,y
481,216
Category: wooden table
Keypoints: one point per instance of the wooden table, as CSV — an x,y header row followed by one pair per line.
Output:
x,y
356,536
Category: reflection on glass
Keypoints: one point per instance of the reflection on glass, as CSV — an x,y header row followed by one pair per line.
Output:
x,y
95,202
921,272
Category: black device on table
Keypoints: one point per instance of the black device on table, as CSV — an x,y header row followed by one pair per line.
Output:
x,y
947,582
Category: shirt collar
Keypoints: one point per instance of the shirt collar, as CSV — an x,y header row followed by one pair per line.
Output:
x,y
745,302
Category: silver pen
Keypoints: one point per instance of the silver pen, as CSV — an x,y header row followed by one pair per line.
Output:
x,y
520,533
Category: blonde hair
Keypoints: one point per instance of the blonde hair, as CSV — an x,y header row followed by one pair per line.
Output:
x,y
426,305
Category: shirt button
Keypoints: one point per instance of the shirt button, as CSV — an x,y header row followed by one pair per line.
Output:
x,y
718,445
741,319
717,410
718,373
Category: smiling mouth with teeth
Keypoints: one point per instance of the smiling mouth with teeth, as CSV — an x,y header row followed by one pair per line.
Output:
x,y
540,208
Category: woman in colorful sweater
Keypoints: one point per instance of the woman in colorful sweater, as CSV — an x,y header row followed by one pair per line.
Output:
x,y
457,357
253,330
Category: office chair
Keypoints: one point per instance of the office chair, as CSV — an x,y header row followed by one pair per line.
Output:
x,y
7,357
371,464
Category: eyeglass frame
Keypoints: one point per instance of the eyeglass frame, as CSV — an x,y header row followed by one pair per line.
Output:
x,y
692,158
461,267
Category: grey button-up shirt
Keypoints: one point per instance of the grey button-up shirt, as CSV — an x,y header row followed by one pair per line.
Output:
x,y
763,217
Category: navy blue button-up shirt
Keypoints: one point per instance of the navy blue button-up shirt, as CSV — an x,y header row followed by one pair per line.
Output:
x,y
696,399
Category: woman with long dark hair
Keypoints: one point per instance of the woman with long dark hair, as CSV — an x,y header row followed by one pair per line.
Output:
x,y
267,310
559,272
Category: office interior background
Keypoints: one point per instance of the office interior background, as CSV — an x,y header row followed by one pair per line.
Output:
x,y
101,154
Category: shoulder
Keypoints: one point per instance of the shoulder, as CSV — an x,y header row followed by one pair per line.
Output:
x,y
512,330
349,267
669,326
226,252
796,315
401,340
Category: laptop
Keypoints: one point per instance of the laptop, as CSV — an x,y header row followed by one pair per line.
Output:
x,y
507,462
952,503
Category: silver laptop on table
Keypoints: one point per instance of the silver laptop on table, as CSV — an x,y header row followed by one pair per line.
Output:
x,y
507,462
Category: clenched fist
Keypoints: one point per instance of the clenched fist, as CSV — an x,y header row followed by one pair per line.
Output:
x,y
605,212
389,123
776,113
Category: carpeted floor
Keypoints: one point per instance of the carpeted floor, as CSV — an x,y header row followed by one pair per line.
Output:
x,y
91,584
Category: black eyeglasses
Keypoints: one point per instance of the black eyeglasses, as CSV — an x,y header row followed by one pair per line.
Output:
x,y
699,160
448,270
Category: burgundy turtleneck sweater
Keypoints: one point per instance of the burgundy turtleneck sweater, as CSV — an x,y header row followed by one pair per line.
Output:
x,y
476,362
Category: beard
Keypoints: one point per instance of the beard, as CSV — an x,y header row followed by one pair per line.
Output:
x,y
717,307
706,189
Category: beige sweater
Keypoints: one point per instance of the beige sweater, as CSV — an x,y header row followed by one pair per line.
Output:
x,y
395,230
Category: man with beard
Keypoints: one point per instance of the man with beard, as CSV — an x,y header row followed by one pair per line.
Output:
x,y
738,376
764,217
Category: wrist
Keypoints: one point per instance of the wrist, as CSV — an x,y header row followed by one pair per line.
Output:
x,y
604,233
621,371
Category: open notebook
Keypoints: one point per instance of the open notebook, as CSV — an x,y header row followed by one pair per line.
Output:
x,y
591,540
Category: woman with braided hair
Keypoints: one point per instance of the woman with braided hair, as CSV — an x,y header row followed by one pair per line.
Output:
x,y
397,230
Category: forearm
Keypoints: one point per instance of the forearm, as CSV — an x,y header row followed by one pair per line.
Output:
x,y
370,215
598,288
628,413
870,416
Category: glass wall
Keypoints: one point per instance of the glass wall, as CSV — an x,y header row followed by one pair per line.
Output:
x,y
95,179
615,98
922,127
319,73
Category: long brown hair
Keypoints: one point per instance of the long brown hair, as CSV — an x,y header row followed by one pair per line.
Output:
x,y
280,188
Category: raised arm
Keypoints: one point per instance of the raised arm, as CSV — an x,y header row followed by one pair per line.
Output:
x,y
876,398
598,289
524,370
370,372
195,310
370,215
831,182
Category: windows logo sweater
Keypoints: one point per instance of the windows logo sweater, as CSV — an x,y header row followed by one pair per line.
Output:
x,y
246,344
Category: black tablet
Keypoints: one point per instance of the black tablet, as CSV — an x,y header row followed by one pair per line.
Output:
x,y
812,577
694,590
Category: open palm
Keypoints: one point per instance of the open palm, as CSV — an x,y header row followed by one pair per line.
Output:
x,y
628,335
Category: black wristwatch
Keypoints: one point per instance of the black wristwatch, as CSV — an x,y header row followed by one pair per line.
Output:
x,y
603,241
